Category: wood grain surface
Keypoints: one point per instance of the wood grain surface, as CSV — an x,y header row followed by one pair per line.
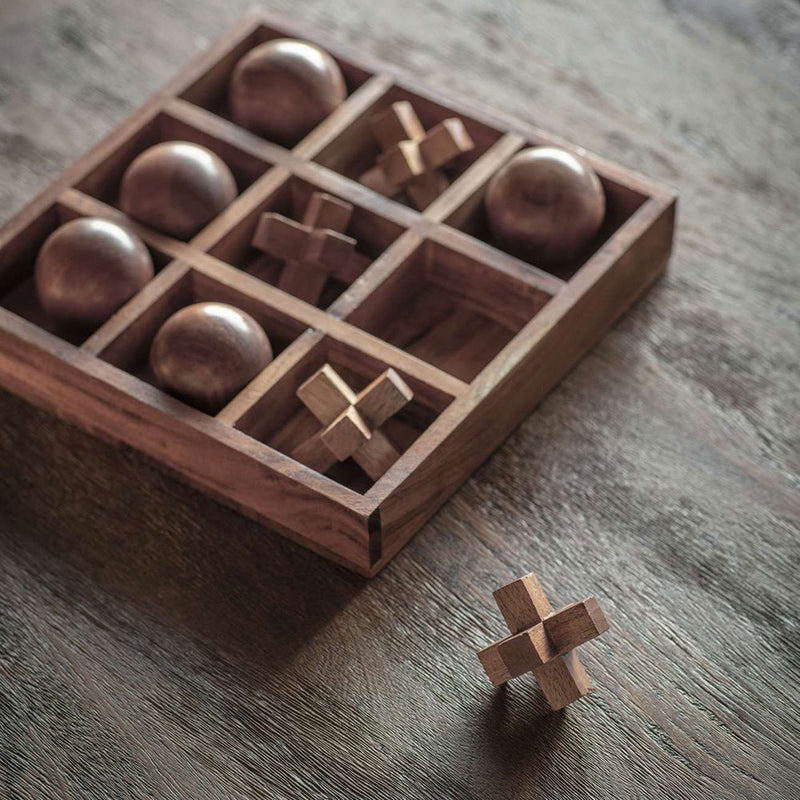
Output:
x,y
155,644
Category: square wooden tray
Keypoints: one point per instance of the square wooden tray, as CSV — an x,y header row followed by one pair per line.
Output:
x,y
479,335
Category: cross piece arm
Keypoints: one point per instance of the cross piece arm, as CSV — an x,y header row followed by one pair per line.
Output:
x,y
396,123
283,238
410,158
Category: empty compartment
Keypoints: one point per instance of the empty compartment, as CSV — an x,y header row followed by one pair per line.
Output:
x,y
621,202
130,350
449,310
210,91
373,235
104,181
17,265
281,420
356,150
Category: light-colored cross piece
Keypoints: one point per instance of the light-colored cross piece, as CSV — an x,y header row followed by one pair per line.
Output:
x,y
543,641
351,421
312,249
412,158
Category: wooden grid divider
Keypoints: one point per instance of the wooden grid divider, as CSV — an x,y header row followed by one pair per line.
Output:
x,y
378,272
477,174
122,325
496,260
297,162
84,205
241,283
356,105
114,338
191,259
268,378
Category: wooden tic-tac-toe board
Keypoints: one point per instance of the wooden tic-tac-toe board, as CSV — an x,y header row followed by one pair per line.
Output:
x,y
478,336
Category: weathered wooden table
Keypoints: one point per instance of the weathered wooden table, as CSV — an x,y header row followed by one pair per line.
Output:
x,y
154,644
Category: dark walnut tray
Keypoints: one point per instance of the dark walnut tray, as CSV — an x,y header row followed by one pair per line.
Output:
x,y
479,335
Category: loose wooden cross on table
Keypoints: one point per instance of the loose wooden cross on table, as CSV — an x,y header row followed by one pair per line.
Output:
x,y
412,158
312,249
543,641
351,421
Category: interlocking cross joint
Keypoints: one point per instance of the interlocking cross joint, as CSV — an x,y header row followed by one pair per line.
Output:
x,y
351,421
312,249
543,641
412,157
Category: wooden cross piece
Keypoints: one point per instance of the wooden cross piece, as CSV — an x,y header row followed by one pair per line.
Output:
x,y
351,422
312,249
411,157
543,641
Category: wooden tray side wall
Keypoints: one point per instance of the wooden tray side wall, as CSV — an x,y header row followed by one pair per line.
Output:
x,y
522,375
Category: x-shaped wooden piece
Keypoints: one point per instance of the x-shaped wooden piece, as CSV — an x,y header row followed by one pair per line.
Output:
x,y
543,641
351,422
412,158
312,249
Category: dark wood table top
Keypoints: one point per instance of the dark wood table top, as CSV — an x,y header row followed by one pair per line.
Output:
x,y
154,644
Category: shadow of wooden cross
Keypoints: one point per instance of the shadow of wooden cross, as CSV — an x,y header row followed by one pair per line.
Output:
x,y
351,422
543,641
411,157
312,249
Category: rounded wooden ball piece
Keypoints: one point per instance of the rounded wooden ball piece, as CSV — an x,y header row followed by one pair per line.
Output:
x,y
177,188
546,205
284,88
207,352
87,269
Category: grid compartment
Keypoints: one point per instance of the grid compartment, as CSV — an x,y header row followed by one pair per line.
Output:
x,y
355,150
449,309
279,419
103,182
373,233
17,285
130,350
210,90
621,203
